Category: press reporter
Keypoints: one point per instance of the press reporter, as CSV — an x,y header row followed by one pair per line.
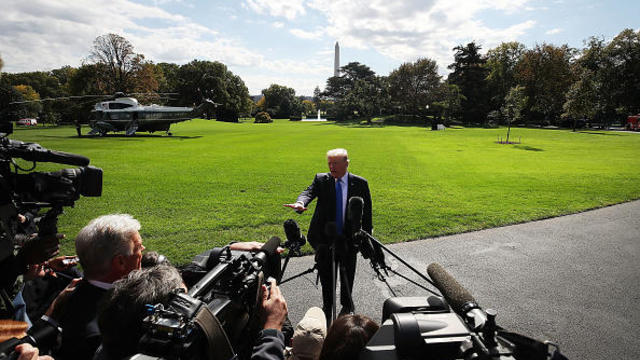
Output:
x,y
124,309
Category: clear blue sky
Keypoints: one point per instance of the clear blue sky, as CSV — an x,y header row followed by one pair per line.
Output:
x,y
290,42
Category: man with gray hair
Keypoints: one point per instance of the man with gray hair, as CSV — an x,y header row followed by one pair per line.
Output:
x,y
109,248
124,309
333,190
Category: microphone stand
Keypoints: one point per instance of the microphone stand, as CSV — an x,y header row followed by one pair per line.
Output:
x,y
334,280
376,266
292,250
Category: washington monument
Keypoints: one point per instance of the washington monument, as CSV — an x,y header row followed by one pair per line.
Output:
x,y
336,61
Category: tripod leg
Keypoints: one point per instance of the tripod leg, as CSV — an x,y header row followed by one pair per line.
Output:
x,y
333,283
346,287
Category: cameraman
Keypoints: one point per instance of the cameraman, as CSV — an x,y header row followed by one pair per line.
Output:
x,y
124,309
34,250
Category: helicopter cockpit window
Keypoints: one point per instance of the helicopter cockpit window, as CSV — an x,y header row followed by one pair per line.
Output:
x,y
119,106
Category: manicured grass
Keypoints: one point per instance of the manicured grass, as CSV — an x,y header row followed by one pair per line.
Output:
x,y
215,182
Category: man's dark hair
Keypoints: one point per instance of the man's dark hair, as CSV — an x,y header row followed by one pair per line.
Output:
x,y
347,336
123,307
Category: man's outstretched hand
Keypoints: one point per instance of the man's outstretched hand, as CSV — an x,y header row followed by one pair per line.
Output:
x,y
298,207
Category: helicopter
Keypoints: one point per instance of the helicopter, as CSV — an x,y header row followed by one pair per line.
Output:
x,y
121,112
124,113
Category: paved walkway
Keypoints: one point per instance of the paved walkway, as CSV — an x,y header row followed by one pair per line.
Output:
x,y
572,279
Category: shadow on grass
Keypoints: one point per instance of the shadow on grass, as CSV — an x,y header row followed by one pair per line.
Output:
x,y
372,125
528,148
134,137
599,133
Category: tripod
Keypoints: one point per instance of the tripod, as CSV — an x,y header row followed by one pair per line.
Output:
x,y
336,265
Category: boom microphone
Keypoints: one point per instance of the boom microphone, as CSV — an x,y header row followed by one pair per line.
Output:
x,y
268,256
35,152
460,300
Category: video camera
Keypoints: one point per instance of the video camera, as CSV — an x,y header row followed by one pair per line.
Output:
x,y
32,190
219,314
28,193
450,327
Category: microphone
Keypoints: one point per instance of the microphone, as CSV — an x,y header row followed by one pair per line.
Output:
x,y
294,238
268,257
35,152
356,205
461,301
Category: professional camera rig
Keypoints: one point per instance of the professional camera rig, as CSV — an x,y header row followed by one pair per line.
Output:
x,y
218,315
27,193
32,191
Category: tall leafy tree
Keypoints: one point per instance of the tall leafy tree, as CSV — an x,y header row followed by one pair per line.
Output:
x,y
353,91
501,64
623,53
119,61
211,80
415,85
469,74
281,102
546,73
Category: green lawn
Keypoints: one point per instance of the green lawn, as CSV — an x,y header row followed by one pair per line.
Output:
x,y
215,182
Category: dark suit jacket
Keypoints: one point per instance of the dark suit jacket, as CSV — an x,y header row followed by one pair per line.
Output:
x,y
323,187
80,333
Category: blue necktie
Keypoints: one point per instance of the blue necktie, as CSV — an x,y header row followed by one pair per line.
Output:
x,y
338,207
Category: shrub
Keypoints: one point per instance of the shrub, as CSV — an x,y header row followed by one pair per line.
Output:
x,y
295,118
263,117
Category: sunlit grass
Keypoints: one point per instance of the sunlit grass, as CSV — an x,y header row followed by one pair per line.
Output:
x,y
215,182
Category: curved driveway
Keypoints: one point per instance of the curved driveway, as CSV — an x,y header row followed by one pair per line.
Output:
x,y
573,279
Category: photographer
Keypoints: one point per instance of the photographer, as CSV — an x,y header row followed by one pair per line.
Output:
x,y
35,250
124,309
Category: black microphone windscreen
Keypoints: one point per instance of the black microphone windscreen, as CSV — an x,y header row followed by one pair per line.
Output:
x,y
356,205
292,230
270,247
455,294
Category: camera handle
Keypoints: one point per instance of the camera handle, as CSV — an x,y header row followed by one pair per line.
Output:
x,y
48,225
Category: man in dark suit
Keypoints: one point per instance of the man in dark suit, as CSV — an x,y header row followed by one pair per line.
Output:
x,y
109,248
333,191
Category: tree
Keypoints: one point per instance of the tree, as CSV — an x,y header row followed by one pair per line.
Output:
x,y
281,101
501,64
32,109
200,80
415,85
514,104
546,73
119,60
317,96
623,54
356,92
581,100
449,102
470,74
168,82
309,107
